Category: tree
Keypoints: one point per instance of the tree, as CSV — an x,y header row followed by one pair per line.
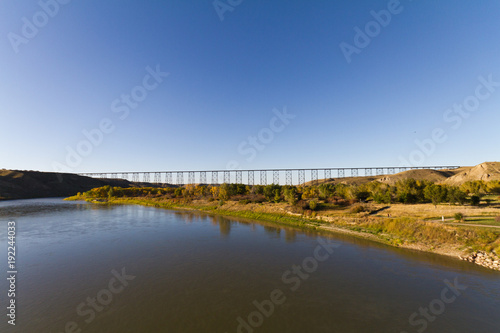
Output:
x,y
326,190
214,190
493,186
310,192
269,191
456,195
290,194
474,187
178,192
410,191
435,193
475,200
361,195
224,192
277,195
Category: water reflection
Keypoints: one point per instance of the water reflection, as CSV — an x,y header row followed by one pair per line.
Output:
x,y
199,273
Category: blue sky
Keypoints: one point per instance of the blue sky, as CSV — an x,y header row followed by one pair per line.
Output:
x,y
228,79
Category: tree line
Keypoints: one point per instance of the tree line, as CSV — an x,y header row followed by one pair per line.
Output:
x,y
406,191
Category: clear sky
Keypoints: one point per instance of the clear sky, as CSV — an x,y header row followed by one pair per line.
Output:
x,y
251,84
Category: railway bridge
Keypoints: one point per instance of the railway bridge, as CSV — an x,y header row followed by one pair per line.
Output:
x,y
254,177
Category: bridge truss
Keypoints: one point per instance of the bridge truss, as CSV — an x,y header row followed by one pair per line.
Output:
x,y
254,177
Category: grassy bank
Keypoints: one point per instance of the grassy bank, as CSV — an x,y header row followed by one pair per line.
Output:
x,y
369,221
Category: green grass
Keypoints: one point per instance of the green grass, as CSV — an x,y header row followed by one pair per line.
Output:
x,y
484,221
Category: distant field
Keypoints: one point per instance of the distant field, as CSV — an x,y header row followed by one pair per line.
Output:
x,y
430,212
491,199
480,220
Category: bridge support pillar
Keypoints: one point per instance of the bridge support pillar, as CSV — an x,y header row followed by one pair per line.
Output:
x,y
180,178
302,177
288,177
135,177
168,178
341,173
191,177
314,176
276,177
251,177
263,177
157,179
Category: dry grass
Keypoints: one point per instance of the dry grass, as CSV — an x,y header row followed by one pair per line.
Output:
x,y
428,211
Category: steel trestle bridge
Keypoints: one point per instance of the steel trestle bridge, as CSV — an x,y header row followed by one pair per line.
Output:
x,y
254,177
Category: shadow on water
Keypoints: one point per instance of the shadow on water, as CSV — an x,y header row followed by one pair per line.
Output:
x,y
16,208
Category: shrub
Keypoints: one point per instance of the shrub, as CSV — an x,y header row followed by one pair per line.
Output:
x,y
257,198
459,216
358,209
303,204
313,204
296,209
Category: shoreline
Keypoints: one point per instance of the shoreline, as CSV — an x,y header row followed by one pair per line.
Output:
x,y
345,225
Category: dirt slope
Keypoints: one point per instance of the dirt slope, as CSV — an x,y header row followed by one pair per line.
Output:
x,y
485,171
436,176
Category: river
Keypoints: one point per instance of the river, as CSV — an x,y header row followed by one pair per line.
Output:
x,y
95,268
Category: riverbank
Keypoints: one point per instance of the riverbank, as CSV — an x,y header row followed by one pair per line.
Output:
x,y
476,245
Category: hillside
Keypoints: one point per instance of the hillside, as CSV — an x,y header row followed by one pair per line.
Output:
x,y
485,171
436,176
16,184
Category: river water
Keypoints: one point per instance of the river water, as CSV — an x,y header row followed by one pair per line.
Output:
x,y
90,268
